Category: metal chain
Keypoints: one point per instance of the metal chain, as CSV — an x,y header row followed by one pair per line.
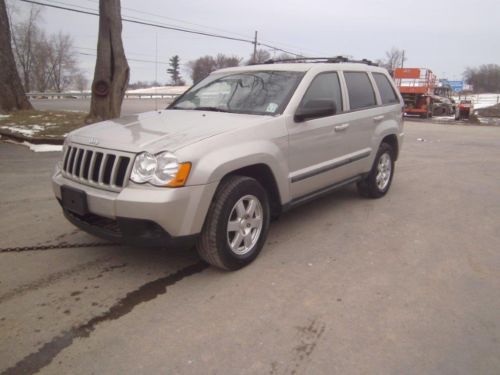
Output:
x,y
58,246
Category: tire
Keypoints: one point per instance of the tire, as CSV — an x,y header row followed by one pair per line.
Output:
x,y
377,183
231,204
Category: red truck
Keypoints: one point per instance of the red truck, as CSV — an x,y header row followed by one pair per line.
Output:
x,y
416,86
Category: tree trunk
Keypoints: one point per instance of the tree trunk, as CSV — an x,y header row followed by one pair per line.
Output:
x,y
111,70
12,96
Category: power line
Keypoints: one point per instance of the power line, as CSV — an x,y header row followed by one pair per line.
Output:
x,y
128,53
174,28
130,17
134,60
175,19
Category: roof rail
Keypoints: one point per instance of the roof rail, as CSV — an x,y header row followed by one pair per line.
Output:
x,y
331,60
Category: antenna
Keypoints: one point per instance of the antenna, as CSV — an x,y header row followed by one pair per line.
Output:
x,y
156,74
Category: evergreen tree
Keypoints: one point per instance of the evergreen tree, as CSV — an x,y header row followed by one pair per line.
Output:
x,y
174,71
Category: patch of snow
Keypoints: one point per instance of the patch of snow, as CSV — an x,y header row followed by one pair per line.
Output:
x,y
483,105
37,148
35,116
32,130
4,116
43,148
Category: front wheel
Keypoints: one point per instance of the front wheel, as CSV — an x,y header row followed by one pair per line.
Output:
x,y
378,181
237,223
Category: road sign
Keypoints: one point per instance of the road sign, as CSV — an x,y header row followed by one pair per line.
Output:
x,y
457,86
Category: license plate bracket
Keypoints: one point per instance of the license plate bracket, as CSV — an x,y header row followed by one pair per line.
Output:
x,y
74,200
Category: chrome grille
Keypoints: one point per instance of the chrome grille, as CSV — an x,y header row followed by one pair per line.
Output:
x,y
100,168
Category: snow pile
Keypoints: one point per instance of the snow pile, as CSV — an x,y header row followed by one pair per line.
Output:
x,y
4,116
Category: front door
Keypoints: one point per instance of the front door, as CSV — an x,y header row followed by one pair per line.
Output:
x,y
317,146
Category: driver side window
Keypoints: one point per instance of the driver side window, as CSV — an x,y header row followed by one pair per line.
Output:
x,y
325,86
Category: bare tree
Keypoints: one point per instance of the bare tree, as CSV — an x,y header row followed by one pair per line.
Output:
x,y
284,56
393,59
261,56
203,66
43,63
12,95
111,71
62,61
24,38
223,61
485,78
80,81
41,71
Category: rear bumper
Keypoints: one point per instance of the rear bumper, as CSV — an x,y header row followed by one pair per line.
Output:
x,y
178,212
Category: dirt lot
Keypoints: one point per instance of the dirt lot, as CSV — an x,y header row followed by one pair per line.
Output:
x,y
409,284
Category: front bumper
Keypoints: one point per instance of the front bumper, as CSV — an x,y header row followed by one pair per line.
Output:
x,y
177,212
132,232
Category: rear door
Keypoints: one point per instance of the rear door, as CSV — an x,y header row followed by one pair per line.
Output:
x,y
364,115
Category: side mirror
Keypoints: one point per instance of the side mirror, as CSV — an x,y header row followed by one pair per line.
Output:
x,y
314,109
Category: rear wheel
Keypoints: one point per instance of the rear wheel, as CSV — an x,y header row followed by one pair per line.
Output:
x,y
379,180
236,225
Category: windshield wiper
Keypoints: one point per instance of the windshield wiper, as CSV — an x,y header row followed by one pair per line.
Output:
x,y
213,109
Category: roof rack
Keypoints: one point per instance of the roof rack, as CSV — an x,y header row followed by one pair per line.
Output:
x,y
331,60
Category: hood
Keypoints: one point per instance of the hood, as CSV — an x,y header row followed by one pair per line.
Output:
x,y
156,131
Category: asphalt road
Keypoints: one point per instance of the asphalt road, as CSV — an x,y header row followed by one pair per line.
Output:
x,y
130,106
408,284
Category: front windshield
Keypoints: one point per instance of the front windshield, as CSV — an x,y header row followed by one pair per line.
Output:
x,y
260,93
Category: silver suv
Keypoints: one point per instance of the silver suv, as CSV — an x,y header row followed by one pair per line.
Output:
x,y
236,150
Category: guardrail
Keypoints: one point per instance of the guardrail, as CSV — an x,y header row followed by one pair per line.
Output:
x,y
83,95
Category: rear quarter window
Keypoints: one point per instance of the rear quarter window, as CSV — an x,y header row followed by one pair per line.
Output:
x,y
360,90
386,90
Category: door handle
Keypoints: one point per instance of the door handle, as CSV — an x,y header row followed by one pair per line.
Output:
x,y
378,118
342,127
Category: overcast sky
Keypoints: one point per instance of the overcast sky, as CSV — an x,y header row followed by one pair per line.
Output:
x,y
443,35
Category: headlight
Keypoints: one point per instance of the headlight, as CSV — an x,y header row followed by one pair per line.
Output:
x,y
144,168
161,170
167,167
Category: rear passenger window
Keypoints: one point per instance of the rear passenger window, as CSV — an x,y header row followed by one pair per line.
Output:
x,y
360,89
325,86
385,88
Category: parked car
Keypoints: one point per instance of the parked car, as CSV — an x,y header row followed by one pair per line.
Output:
x,y
239,148
443,106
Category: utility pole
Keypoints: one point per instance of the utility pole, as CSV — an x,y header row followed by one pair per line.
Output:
x,y
403,59
255,47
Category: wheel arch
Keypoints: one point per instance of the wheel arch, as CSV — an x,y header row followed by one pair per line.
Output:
x,y
264,175
392,140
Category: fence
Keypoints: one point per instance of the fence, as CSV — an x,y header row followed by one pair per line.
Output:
x,y
87,95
